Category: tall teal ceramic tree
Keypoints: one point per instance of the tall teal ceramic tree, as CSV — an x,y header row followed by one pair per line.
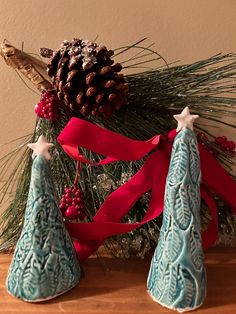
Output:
x,y
44,263
177,278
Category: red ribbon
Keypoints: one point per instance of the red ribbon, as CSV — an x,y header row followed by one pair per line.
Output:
x,y
152,175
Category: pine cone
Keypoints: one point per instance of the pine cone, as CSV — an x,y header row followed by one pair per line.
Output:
x,y
86,79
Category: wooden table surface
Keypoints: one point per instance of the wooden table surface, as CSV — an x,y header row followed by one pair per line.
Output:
x,y
118,286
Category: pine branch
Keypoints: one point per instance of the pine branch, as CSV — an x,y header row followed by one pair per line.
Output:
x,y
206,86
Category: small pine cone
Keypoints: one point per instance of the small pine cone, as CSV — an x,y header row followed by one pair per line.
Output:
x,y
86,78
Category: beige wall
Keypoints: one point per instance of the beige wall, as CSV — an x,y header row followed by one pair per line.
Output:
x,y
184,30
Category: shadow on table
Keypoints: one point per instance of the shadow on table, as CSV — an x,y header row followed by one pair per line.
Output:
x,y
106,275
221,282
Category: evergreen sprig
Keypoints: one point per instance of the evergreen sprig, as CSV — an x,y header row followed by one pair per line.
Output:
x,y
206,86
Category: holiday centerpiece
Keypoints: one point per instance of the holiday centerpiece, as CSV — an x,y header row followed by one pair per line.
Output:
x,y
85,82
44,264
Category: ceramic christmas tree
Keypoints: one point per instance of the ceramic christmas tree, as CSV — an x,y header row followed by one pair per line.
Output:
x,y
44,264
177,278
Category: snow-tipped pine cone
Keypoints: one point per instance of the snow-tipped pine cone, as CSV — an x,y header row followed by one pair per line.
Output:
x,y
86,78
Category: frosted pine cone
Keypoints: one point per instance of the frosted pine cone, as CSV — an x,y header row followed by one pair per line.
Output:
x,y
86,79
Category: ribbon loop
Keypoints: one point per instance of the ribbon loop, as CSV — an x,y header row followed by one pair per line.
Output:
x,y
152,176
80,133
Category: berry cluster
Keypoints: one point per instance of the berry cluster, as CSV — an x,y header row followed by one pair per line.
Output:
x,y
48,107
202,137
72,203
221,141
225,144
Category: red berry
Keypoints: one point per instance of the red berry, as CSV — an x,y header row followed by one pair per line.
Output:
x,y
220,140
231,145
71,213
80,201
81,215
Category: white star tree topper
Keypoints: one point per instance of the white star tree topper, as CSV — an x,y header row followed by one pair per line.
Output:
x,y
185,119
41,147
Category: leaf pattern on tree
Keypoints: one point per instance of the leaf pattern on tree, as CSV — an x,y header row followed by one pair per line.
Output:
x,y
179,160
177,274
44,263
173,245
157,286
171,282
196,249
182,213
156,267
188,288
194,171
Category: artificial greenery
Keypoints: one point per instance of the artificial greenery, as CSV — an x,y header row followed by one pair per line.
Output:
x,y
206,86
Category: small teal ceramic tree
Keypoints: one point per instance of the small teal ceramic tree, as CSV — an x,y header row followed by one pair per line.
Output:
x,y
177,278
44,263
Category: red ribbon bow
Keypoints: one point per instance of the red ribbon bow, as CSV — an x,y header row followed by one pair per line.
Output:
x,y
152,175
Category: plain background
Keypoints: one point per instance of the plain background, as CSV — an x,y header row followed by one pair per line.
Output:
x,y
186,30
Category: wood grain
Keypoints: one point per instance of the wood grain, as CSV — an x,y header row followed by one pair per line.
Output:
x,y
116,286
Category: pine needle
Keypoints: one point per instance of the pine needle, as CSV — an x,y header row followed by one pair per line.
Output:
x,y
206,86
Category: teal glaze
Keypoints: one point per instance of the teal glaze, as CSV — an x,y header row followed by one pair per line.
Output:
x,y
177,278
44,263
